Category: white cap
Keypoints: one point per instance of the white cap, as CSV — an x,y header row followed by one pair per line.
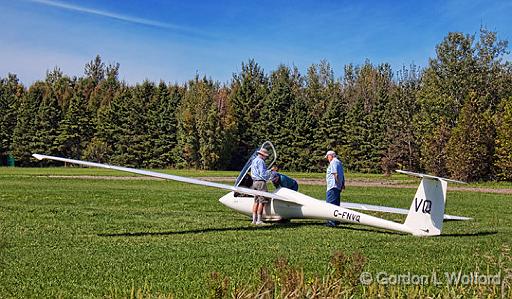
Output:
x,y
332,153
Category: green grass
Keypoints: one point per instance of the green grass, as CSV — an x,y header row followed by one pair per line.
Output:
x,y
77,171
93,238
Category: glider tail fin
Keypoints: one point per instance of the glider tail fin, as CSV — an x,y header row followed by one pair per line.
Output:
x,y
426,213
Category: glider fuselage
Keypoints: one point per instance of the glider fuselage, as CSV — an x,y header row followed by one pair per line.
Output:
x,y
302,206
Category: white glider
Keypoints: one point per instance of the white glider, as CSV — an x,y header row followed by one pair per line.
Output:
x,y
424,218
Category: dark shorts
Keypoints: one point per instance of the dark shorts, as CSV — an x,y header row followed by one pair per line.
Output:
x,y
260,186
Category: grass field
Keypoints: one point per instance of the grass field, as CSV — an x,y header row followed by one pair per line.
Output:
x,y
71,237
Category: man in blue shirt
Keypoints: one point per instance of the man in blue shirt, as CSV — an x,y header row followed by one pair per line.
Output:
x,y
281,180
335,179
260,175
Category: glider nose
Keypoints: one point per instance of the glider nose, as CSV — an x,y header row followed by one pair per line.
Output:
x,y
227,200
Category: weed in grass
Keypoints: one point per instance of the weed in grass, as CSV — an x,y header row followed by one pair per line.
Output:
x,y
145,292
343,280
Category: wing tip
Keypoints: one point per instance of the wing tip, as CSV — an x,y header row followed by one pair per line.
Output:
x,y
38,156
427,176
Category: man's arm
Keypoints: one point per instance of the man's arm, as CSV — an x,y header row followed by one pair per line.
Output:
x,y
264,172
340,169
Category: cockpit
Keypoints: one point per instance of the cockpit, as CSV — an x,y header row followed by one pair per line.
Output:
x,y
244,177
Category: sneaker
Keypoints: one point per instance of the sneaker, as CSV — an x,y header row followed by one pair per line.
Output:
x,y
259,222
254,222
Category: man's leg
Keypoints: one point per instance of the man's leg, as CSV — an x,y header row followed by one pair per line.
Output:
x,y
261,186
260,212
254,211
333,197
256,185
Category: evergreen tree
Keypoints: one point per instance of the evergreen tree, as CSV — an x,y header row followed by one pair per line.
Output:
x,y
47,122
367,97
248,91
437,120
209,125
331,134
403,150
11,92
133,138
355,149
228,128
95,70
76,128
101,89
274,112
61,86
25,130
193,113
320,88
110,120
300,123
162,126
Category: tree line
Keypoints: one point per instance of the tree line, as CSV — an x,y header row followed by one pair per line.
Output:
x,y
451,118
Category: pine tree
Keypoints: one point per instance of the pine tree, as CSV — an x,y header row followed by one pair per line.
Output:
x,y
331,134
193,112
76,128
227,130
25,130
162,126
248,91
11,93
95,70
367,92
209,125
301,124
274,112
403,150
133,139
47,119
111,117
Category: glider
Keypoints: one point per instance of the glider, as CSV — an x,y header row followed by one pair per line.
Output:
x,y
424,218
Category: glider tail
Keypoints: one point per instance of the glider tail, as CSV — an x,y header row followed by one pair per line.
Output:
x,y
426,213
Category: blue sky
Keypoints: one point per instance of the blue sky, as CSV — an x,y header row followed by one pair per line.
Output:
x,y
174,40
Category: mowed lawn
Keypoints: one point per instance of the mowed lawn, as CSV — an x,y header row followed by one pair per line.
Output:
x,y
74,237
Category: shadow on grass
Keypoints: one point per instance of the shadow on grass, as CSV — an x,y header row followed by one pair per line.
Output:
x,y
477,234
279,226
274,226
347,226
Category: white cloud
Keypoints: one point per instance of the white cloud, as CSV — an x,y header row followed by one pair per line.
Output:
x,y
120,17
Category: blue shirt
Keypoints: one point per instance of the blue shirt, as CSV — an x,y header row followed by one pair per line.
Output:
x,y
335,168
259,170
287,182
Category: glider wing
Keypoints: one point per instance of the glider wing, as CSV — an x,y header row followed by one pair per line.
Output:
x,y
169,177
373,208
